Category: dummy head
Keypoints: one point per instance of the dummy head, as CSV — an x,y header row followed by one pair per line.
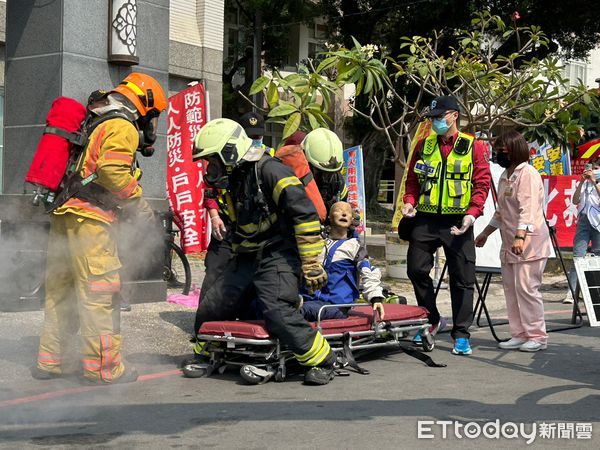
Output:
x,y
340,219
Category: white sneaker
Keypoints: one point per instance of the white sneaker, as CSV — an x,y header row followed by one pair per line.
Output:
x,y
569,298
512,344
532,346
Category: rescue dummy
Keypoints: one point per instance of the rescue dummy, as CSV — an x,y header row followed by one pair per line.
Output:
x,y
83,264
346,262
276,237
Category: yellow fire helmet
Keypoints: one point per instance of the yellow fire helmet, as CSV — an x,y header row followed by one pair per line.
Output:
x,y
324,150
224,137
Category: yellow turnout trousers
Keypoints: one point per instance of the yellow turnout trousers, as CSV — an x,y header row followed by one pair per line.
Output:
x,y
81,277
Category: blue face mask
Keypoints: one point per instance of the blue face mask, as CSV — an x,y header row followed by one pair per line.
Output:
x,y
257,142
440,126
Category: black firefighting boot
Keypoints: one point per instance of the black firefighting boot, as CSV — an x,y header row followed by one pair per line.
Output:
x,y
319,375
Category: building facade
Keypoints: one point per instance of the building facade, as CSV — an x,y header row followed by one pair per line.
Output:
x,y
62,47
71,48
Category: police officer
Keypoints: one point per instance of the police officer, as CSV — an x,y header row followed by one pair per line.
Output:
x,y
446,187
276,237
254,126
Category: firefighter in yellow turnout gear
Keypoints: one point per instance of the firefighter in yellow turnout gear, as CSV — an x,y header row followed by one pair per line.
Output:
x,y
83,264
276,238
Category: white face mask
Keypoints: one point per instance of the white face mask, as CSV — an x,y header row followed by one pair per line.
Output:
x,y
257,142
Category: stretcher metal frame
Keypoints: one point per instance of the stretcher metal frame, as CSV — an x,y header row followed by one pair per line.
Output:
x,y
267,354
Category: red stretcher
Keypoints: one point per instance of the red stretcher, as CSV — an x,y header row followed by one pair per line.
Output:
x,y
260,356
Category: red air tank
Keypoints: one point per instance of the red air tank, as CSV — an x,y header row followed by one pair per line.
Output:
x,y
52,154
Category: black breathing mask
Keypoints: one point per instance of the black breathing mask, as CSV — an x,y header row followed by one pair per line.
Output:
x,y
147,126
216,174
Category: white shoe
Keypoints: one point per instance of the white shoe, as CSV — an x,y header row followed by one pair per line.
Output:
x,y
532,346
512,344
569,298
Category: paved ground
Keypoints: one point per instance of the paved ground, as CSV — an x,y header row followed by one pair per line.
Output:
x,y
165,410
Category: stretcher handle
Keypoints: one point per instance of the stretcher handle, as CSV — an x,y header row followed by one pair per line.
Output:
x,y
376,318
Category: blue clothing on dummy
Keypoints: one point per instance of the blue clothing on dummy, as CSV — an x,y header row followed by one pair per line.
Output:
x,y
342,282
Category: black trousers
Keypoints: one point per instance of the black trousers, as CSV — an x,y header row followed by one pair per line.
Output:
x,y
218,255
273,278
430,232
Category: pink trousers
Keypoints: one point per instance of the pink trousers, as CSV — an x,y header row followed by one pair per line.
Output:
x,y
521,282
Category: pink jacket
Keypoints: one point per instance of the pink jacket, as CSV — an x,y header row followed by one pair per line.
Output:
x,y
520,207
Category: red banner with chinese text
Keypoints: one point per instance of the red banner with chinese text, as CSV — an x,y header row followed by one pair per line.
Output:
x,y
585,153
187,114
560,210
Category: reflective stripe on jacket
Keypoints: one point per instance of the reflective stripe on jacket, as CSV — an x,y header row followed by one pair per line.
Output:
x,y
445,184
110,154
284,211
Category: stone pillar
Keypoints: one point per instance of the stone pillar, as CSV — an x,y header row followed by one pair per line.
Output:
x,y
61,48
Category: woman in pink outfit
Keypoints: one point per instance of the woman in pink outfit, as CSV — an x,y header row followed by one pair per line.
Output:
x,y
525,242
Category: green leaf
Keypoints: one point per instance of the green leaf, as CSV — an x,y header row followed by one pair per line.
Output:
x,y
279,120
359,86
323,118
259,85
369,83
283,109
298,81
358,75
345,76
314,123
356,43
272,95
327,63
314,106
291,125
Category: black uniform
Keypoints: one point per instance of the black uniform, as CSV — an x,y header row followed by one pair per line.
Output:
x,y
430,232
271,210
219,252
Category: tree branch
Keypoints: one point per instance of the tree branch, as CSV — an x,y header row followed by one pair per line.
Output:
x,y
251,102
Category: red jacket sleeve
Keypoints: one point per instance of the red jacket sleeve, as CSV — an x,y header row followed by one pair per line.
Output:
x,y
412,188
482,177
210,203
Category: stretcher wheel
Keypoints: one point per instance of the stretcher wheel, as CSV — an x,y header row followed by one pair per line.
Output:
x,y
255,375
428,343
196,370
280,375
